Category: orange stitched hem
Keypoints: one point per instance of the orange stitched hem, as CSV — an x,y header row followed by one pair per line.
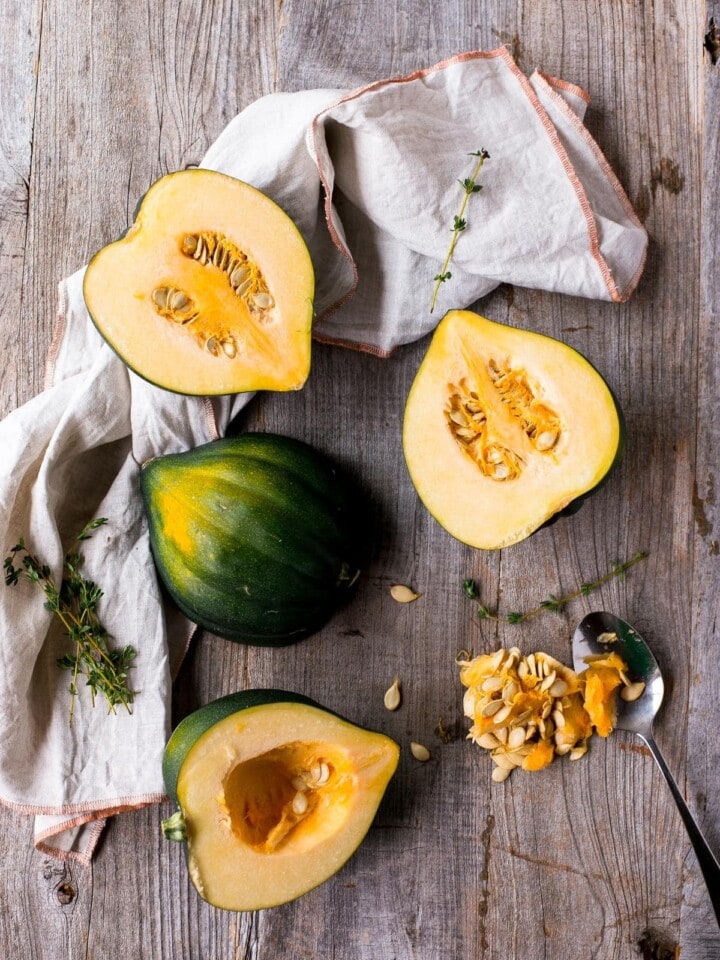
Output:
x,y
83,857
88,807
90,812
612,179
597,152
577,186
559,84
353,345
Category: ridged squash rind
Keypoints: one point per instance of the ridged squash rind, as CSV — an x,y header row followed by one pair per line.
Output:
x,y
258,538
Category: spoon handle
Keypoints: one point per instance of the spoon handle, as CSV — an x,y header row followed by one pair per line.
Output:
x,y
705,857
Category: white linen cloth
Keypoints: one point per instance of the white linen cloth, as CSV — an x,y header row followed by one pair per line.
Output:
x,y
370,177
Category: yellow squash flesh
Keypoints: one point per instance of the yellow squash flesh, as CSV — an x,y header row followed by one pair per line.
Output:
x,y
504,428
221,338
251,844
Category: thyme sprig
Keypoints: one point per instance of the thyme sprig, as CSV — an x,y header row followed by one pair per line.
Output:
x,y
75,604
552,603
470,186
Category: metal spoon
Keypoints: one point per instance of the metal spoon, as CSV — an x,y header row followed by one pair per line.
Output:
x,y
605,633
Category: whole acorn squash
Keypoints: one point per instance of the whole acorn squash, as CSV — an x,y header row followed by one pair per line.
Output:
x,y
210,291
258,538
274,793
506,429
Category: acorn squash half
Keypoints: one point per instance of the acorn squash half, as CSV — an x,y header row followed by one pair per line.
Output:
x,y
504,429
210,291
274,794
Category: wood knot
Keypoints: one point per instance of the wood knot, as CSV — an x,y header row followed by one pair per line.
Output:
x,y
66,893
712,41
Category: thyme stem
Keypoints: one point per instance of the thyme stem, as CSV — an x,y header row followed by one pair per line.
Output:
x,y
470,186
553,603
74,603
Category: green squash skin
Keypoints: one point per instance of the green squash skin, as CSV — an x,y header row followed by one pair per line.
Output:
x,y
279,538
189,730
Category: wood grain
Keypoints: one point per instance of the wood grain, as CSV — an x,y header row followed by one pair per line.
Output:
x,y
583,860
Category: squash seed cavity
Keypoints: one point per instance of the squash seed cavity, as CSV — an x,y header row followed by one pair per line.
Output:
x,y
243,274
266,798
470,421
245,278
176,306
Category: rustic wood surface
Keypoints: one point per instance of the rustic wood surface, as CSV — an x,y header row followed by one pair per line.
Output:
x,y
583,860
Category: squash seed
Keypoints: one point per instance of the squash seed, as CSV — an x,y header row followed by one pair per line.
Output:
x,y
492,708
503,761
299,804
320,773
632,692
179,301
558,689
492,685
238,275
159,296
469,701
546,440
516,737
488,741
392,696
420,752
263,301
502,715
499,774
403,594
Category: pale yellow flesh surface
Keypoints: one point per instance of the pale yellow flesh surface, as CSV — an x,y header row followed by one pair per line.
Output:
x,y
271,356
229,872
476,509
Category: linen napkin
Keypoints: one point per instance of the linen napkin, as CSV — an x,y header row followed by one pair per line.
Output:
x,y
370,177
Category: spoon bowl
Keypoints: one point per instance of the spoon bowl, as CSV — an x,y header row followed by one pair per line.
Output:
x,y
602,632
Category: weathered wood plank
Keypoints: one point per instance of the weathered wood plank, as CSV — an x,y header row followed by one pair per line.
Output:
x,y
699,936
29,884
585,859
18,60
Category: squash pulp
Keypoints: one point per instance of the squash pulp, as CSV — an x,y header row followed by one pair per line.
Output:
x,y
210,291
275,792
504,429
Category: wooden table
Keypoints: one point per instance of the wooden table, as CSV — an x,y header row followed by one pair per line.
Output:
x,y
583,860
